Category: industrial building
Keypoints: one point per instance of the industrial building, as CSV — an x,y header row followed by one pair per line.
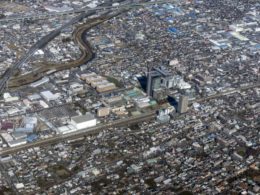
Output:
x,y
48,96
24,130
104,111
8,98
66,129
18,142
40,82
29,123
76,87
84,121
100,83
106,87
11,141
78,123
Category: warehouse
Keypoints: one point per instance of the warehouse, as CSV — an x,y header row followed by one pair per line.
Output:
x,y
84,121
18,142
106,87
49,96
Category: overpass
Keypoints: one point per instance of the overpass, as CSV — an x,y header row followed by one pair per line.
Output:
x,y
40,44
43,16
47,38
84,46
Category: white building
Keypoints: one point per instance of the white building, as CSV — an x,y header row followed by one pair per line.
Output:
x,y
84,121
8,98
49,96
40,82
18,142
66,129
30,121
19,186
76,87
7,137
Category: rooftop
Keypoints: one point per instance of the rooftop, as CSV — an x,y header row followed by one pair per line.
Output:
x,y
80,119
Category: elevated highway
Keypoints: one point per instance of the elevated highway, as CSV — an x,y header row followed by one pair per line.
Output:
x,y
38,45
42,43
79,39
44,40
103,7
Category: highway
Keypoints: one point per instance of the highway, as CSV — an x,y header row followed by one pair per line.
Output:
x,y
44,16
38,45
87,54
79,39
41,43
46,39
81,133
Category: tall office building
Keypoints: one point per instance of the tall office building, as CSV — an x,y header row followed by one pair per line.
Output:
x,y
183,104
154,79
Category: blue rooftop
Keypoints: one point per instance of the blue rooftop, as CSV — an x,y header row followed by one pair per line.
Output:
x,y
32,137
173,30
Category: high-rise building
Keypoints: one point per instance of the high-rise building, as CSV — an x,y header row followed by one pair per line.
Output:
x,y
154,79
183,104
160,94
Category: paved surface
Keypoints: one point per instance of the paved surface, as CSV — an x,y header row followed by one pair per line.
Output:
x,y
99,128
85,9
85,48
81,133
38,45
41,43
227,92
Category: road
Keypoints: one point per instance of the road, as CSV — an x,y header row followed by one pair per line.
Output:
x,y
81,133
42,43
94,130
80,40
82,10
38,45
220,94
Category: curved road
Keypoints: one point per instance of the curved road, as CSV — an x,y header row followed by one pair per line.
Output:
x,y
85,48
42,43
43,16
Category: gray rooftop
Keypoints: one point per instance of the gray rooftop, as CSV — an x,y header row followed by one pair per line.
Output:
x,y
79,119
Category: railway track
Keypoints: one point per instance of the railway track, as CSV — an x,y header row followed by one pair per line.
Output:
x,y
8,74
79,39
81,133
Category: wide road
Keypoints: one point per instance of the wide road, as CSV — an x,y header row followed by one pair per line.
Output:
x,y
79,39
38,45
44,16
220,94
99,128
81,133
42,43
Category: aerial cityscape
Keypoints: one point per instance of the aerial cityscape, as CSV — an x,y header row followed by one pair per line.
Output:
x,y
130,97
